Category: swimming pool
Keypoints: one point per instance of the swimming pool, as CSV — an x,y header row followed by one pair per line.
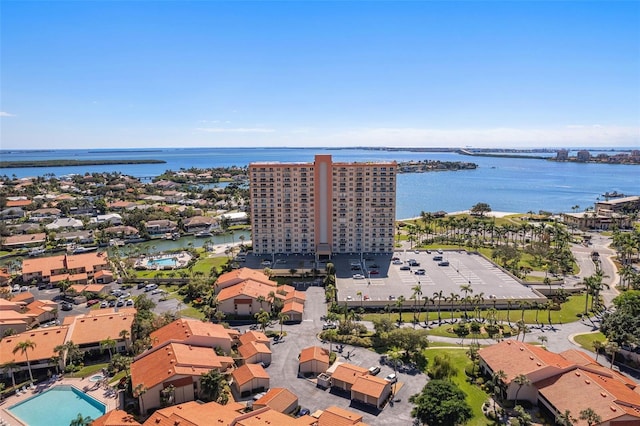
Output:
x,y
163,261
68,402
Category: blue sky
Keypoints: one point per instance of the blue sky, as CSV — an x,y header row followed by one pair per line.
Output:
x,y
410,73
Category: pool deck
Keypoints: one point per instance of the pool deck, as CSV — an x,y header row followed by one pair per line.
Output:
x,y
107,396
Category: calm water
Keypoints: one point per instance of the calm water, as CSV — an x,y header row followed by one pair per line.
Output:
x,y
506,184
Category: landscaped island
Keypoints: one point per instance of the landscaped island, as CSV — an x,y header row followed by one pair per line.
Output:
x,y
67,163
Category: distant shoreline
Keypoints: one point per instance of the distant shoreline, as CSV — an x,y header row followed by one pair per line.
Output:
x,y
71,163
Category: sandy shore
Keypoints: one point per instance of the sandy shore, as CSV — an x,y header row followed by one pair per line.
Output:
x,y
489,214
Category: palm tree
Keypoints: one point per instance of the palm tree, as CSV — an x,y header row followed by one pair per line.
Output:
x,y
453,298
497,383
597,347
9,366
590,416
521,380
565,419
438,295
108,344
399,305
417,292
140,390
612,348
395,355
466,288
124,335
212,384
81,421
23,347
262,317
282,317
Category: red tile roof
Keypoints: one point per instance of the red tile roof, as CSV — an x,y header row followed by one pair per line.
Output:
x,y
182,329
247,372
314,353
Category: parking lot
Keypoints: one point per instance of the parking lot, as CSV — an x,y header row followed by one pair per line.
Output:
x,y
284,369
375,280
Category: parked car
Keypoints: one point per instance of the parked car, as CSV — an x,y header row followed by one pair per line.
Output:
x,y
92,302
158,291
374,370
391,378
120,303
374,272
397,262
405,268
129,302
112,303
265,263
358,277
329,326
16,288
104,304
436,258
443,263
24,288
420,272
66,306
150,287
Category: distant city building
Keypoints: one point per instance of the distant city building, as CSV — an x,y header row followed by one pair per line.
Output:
x,y
583,155
323,207
562,155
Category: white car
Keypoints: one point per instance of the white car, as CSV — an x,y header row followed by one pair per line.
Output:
x,y
358,277
266,263
398,262
391,378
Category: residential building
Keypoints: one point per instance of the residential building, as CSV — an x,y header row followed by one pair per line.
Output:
x,y
553,381
333,416
254,336
115,418
41,356
322,207
238,276
345,375
281,400
231,414
197,333
371,390
255,353
174,364
88,331
313,360
249,379
77,269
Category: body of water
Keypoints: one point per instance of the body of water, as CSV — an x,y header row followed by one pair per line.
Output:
x,y
506,184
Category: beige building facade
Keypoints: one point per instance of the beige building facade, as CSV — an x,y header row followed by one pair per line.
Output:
x,y
323,207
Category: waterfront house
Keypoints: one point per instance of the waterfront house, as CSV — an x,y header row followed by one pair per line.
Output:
x,y
64,223
25,240
161,226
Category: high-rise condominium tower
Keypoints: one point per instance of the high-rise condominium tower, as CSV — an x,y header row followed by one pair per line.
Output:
x,y
323,207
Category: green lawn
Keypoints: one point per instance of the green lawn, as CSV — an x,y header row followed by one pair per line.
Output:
x,y
568,313
586,340
475,396
88,370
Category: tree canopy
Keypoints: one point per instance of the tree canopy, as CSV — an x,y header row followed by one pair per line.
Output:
x,y
441,403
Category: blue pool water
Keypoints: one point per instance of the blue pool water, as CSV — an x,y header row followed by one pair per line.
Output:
x,y
57,406
165,261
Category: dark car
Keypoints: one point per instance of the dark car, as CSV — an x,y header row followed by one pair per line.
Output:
x,y
304,412
405,268
66,306
112,303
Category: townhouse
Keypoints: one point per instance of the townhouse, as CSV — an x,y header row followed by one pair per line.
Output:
x,y
555,378
77,269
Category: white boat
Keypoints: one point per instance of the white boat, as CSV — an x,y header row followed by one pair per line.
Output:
x,y
36,251
203,234
81,249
